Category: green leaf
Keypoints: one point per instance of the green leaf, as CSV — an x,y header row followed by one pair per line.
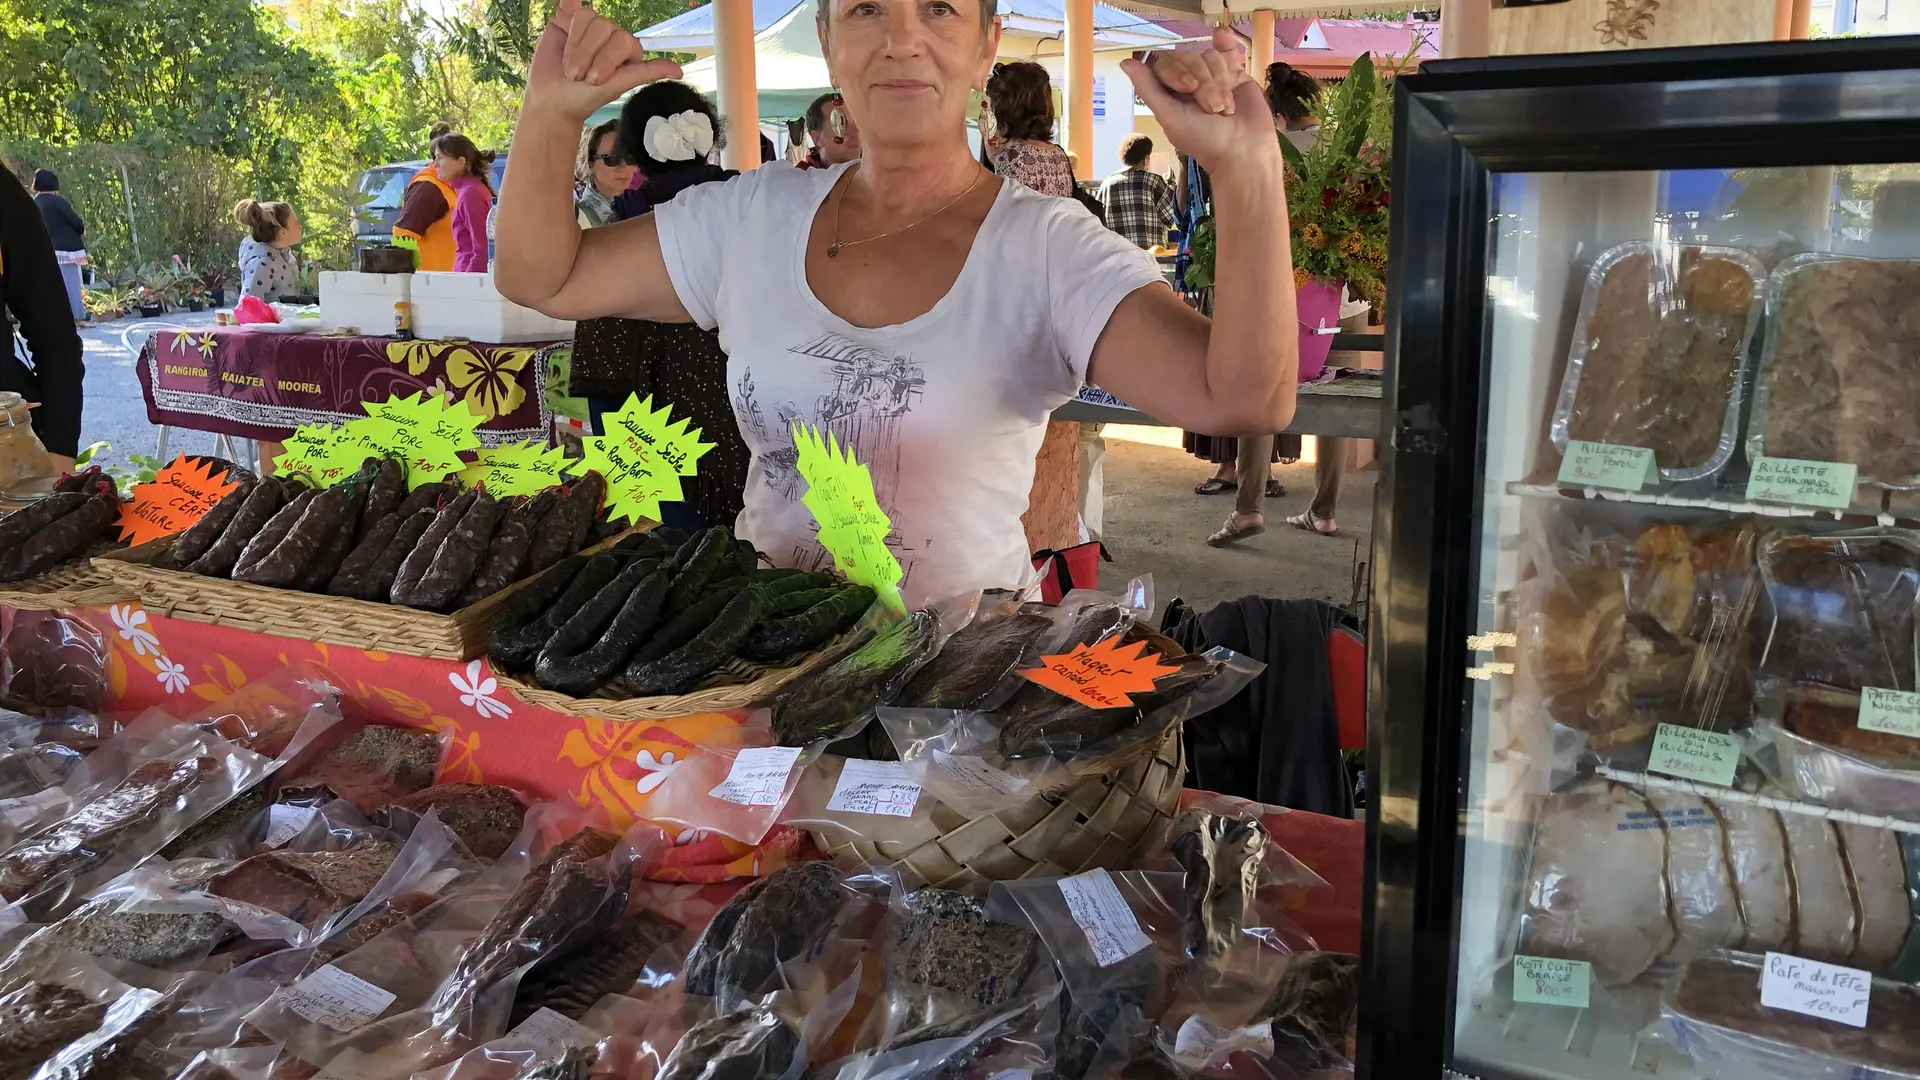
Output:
x,y
87,455
1294,158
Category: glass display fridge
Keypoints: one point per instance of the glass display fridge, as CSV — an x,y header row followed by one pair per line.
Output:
x,y
1645,736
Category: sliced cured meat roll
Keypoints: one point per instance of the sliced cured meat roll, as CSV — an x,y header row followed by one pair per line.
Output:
x,y
1822,896
1704,906
1596,889
1879,876
1757,852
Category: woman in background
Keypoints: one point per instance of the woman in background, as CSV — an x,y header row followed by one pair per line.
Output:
x,y
1020,101
668,130
602,173
31,293
68,232
464,168
267,267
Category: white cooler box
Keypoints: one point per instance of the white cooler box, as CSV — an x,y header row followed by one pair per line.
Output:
x,y
362,303
448,305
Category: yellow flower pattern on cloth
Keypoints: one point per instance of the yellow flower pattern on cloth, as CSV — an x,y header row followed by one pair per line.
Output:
x,y
489,380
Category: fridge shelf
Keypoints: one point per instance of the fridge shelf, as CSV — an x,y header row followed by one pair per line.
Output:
x,y
1771,802
1908,518
1612,1040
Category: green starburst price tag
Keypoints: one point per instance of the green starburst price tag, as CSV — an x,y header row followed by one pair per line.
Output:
x,y
520,468
853,527
308,453
428,433
643,455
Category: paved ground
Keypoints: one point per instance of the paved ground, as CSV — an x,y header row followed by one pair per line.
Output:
x,y
1155,523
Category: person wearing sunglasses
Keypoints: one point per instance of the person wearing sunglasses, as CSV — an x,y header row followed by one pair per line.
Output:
x,y
601,173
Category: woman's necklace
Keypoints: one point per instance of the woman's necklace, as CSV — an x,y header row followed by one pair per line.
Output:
x,y
833,249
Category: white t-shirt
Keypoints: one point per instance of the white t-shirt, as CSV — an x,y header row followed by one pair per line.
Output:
x,y
947,410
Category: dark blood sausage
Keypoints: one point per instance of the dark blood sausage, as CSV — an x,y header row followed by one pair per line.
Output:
x,y
585,626
742,558
681,629
288,562
68,536
506,555
377,585
780,584
353,570
254,514
698,569
268,538
518,649
554,540
16,527
794,603
411,571
586,494
426,495
524,608
460,555
529,512
197,538
781,638
582,673
334,549
389,488
81,481
680,670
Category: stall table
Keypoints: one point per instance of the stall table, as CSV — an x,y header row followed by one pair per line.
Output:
x,y
1348,407
252,384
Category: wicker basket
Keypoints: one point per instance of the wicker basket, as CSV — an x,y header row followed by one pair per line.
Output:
x,y
360,624
1104,820
75,584
737,684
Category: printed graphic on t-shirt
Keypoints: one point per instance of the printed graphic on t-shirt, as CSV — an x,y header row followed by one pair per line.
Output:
x,y
864,408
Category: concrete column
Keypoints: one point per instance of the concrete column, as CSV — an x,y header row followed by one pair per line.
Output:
x,y
739,98
1463,28
1783,20
1079,88
1802,20
1262,53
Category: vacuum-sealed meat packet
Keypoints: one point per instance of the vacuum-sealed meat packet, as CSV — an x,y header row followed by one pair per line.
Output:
x,y
1842,609
743,953
738,790
71,998
1595,886
486,817
55,660
371,767
1713,1006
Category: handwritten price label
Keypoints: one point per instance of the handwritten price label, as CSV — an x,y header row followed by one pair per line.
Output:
x,y
521,468
428,432
1692,754
882,788
853,526
1895,712
1824,484
1606,465
1546,981
1811,988
179,495
1101,675
643,455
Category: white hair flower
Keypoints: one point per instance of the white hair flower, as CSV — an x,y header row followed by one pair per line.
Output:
x,y
680,137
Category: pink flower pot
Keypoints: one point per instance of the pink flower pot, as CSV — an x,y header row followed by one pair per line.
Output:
x,y
1318,305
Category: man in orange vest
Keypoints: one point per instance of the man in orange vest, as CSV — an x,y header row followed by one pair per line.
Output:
x,y
426,217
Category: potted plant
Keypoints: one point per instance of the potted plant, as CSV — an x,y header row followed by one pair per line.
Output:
x,y
1337,207
153,285
215,283
107,303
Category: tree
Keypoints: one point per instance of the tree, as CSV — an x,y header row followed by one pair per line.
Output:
x,y
501,42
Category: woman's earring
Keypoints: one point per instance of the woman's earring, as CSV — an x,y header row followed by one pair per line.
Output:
x,y
837,122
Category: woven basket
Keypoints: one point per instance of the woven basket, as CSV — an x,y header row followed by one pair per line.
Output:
x,y
737,684
75,584
360,624
1105,820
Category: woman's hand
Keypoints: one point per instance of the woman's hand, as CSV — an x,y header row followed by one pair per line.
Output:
x,y
585,60
1208,104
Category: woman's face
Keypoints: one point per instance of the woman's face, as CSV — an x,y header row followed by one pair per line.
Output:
x,y
610,180
905,68
290,233
449,168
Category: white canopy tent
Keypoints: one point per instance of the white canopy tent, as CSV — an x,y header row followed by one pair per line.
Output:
x,y
788,67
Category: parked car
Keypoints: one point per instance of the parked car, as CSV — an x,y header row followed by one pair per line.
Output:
x,y
388,186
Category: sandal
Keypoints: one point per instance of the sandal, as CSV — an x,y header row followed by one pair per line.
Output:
x,y
1234,530
1276,489
1306,521
1214,485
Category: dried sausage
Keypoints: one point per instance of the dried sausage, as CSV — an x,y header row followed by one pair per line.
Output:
x,y
810,629
353,571
460,555
333,551
525,607
681,628
506,555
421,557
253,516
378,583
529,511
194,541
586,671
586,494
290,559
268,538
585,626
680,670
68,536
81,482
389,488
16,527
698,569
426,495
562,529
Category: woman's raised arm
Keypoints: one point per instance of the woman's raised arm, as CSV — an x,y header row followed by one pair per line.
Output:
x,y
1237,374
542,258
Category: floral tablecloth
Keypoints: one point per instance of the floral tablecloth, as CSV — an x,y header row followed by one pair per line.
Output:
x,y
255,385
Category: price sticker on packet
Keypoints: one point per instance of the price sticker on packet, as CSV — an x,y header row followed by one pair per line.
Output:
x,y
179,495
336,999
1606,465
1112,930
882,788
758,776
643,455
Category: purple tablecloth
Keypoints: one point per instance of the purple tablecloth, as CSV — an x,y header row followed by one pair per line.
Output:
x,y
261,386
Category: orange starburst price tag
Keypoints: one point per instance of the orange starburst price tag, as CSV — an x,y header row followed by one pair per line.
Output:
x,y
179,495
1101,675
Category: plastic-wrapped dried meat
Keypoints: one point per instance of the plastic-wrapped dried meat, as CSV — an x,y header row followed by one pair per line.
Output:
x,y
764,925
30,769
1656,360
1838,369
86,839
572,982
107,1053
833,702
486,817
372,767
1595,889
976,661
1842,608
753,1044
307,886
947,960
38,1019
1314,1007
1221,856
111,924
